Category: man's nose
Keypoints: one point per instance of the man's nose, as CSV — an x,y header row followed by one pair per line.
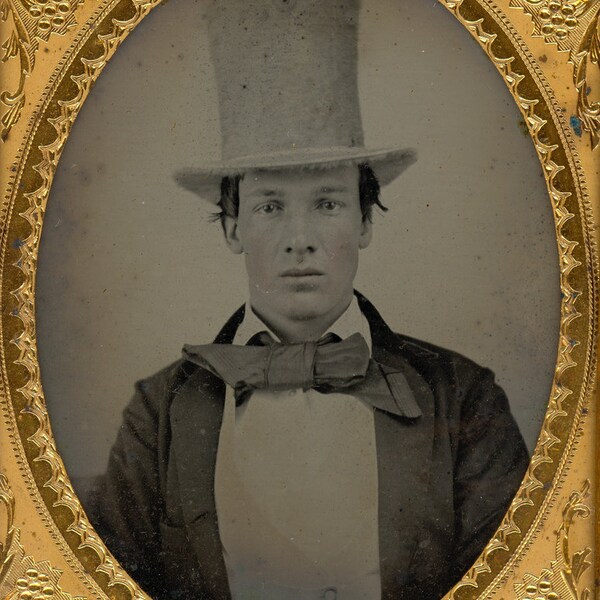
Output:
x,y
300,236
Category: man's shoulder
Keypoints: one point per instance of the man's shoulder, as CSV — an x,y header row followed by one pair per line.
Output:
x,y
429,353
161,386
169,379
422,355
441,367
174,371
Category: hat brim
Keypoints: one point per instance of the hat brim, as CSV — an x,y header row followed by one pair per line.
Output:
x,y
387,164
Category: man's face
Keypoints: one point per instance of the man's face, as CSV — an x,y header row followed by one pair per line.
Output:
x,y
300,232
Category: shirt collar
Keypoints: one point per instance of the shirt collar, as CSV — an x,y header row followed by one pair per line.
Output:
x,y
350,321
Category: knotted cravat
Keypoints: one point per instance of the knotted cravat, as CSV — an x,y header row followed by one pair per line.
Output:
x,y
328,365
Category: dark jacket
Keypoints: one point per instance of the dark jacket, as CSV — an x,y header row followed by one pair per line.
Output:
x,y
445,477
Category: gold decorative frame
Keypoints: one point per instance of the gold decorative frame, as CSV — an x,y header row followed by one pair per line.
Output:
x,y
548,53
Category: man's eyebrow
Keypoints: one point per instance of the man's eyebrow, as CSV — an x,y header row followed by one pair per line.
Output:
x,y
266,192
331,189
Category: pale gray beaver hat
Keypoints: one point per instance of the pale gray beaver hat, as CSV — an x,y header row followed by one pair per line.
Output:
x,y
286,74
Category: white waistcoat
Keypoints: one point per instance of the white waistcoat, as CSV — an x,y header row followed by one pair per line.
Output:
x,y
296,489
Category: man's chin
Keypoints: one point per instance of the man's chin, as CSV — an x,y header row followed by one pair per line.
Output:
x,y
302,303
306,304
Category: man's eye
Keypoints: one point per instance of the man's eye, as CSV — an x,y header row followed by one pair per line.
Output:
x,y
268,208
330,205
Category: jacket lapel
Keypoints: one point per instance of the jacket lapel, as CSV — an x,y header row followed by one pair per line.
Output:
x,y
404,440
196,416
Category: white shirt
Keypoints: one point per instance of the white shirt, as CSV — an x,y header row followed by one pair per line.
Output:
x,y
296,488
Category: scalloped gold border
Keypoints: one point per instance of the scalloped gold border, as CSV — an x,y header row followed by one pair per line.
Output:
x,y
23,212
562,581
551,138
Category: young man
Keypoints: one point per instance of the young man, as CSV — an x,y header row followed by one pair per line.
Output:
x,y
310,452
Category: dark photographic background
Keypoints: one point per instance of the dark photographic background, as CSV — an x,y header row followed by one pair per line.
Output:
x,y
130,267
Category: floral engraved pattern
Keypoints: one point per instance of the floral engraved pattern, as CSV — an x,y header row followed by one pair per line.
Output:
x,y
574,26
557,21
7,533
541,589
562,580
560,18
21,578
588,55
49,16
29,22
33,585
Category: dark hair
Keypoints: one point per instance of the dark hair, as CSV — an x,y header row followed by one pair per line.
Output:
x,y
368,193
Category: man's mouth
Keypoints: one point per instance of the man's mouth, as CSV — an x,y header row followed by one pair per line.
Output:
x,y
307,272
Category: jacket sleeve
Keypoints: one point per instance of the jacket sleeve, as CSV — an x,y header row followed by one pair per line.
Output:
x,y
126,505
491,459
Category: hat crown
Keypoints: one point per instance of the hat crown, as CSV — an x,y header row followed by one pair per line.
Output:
x,y
286,75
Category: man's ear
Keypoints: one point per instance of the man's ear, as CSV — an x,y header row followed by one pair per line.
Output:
x,y
366,233
230,230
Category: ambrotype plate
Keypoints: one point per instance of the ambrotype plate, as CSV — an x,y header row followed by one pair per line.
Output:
x,y
110,266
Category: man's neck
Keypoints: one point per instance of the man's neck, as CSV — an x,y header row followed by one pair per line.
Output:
x,y
290,330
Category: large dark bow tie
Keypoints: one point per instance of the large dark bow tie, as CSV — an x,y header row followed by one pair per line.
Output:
x,y
328,365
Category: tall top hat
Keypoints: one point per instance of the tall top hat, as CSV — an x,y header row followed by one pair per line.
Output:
x,y
286,74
